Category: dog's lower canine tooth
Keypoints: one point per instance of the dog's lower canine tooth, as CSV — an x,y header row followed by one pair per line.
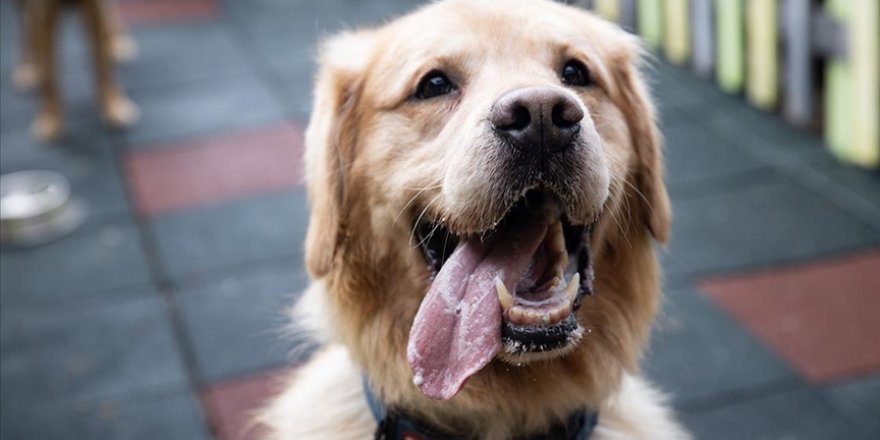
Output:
x,y
504,296
574,284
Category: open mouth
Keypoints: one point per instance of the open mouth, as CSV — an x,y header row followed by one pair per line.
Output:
x,y
534,264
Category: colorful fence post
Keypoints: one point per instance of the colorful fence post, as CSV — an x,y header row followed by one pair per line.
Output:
x,y
650,22
798,98
730,57
763,77
851,91
739,41
678,37
703,36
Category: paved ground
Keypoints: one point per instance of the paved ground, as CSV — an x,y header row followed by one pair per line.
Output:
x,y
161,317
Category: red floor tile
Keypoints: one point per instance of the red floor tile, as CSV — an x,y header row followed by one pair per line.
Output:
x,y
822,317
231,405
177,177
147,12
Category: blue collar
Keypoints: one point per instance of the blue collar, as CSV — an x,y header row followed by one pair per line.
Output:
x,y
393,425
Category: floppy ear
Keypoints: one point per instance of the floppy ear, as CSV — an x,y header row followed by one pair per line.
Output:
x,y
633,99
330,140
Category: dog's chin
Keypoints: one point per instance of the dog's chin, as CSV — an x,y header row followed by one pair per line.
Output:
x,y
539,315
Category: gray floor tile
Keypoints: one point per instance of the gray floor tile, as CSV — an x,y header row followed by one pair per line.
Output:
x,y
698,352
759,226
169,416
859,400
221,104
61,353
238,322
695,155
231,233
766,132
800,414
271,26
849,181
99,257
181,54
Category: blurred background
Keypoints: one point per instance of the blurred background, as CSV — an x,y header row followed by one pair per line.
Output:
x,y
161,315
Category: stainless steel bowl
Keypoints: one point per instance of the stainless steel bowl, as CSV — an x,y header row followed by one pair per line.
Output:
x,y
37,207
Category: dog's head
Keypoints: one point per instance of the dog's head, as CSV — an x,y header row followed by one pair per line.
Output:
x,y
485,179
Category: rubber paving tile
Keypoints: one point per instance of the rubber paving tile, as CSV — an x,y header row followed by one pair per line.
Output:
x,y
820,316
757,226
231,405
228,234
698,353
237,320
174,415
799,414
91,350
103,257
187,175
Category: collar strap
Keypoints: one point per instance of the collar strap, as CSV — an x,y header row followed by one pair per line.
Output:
x,y
393,425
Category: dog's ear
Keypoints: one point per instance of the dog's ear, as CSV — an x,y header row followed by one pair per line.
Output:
x,y
330,144
632,97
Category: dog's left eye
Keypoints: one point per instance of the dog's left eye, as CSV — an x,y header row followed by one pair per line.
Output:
x,y
574,73
434,84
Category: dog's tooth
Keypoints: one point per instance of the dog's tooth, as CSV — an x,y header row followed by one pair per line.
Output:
x,y
561,312
546,318
504,296
574,284
515,315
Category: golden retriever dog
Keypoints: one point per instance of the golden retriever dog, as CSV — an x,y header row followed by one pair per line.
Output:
x,y
486,188
38,67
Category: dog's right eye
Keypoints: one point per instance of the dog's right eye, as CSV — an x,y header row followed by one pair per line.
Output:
x,y
434,84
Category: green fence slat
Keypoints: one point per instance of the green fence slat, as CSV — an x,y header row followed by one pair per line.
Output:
x,y
730,57
650,22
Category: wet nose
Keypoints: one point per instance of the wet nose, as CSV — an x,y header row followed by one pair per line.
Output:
x,y
537,120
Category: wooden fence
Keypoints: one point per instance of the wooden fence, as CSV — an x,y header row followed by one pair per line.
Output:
x,y
815,62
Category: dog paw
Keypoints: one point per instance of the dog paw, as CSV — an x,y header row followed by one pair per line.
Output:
x,y
120,112
25,77
123,48
47,127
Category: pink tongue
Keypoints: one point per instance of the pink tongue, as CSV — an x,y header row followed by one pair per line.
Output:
x,y
457,330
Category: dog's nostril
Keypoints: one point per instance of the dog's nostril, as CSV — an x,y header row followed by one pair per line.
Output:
x,y
510,116
566,114
521,119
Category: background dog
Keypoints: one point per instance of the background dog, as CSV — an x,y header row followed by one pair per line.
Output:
x,y
486,187
38,67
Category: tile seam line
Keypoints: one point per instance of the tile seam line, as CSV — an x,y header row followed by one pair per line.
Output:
x,y
164,287
748,268
202,277
800,172
245,42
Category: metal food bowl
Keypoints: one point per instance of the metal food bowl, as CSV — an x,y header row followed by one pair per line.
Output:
x,y
36,207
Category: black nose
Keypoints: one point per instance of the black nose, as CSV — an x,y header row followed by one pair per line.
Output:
x,y
537,120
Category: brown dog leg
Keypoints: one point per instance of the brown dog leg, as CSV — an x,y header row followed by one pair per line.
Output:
x,y
118,110
48,123
27,76
123,48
